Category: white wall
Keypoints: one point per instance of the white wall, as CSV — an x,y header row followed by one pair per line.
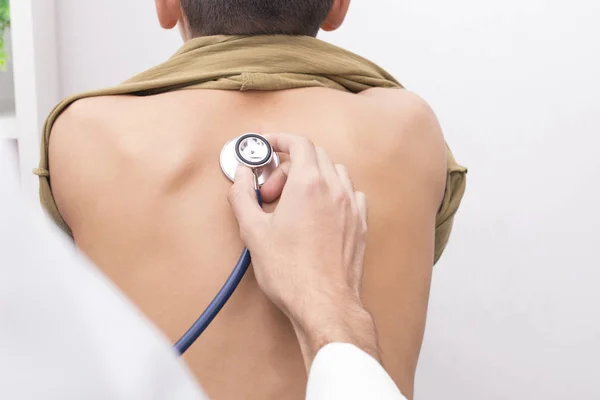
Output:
x,y
104,42
515,307
35,78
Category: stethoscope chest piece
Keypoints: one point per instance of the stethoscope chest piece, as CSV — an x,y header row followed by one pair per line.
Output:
x,y
253,151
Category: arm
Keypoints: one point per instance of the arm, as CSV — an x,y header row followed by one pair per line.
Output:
x,y
318,232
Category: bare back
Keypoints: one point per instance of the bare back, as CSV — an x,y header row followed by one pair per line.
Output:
x,y
138,181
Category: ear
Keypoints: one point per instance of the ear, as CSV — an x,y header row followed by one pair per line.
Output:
x,y
336,16
169,12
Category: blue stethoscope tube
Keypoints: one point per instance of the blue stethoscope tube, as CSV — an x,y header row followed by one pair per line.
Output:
x,y
219,301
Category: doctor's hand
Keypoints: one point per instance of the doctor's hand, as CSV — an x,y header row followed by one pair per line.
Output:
x,y
308,254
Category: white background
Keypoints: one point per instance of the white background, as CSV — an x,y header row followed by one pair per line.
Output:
x,y
515,306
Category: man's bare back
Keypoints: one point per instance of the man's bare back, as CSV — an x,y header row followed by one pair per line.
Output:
x,y
138,181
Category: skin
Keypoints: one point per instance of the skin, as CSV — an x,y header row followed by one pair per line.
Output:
x,y
138,181
324,264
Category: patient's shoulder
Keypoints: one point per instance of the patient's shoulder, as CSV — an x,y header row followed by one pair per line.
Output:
x,y
80,133
84,122
410,138
90,114
92,122
81,149
407,108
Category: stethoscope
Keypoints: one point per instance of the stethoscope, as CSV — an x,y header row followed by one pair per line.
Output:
x,y
255,152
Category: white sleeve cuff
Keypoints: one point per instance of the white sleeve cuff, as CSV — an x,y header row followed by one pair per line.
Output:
x,y
343,371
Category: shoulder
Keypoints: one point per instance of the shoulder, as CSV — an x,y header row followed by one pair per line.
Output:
x,y
412,143
87,115
410,112
81,123
81,149
398,97
89,122
80,133
409,120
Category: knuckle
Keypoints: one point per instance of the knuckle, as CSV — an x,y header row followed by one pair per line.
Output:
x,y
363,231
342,199
314,182
321,151
308,142
341,168
250,229
363,227
245,233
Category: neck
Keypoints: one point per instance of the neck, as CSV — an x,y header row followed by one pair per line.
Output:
x,y
187,36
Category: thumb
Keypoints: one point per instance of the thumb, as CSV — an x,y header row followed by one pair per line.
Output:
x,y
243,201
274,186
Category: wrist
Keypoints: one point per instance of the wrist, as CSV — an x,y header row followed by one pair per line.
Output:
x,y
336,321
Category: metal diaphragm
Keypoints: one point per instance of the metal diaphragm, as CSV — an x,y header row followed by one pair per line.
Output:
x,y
253,151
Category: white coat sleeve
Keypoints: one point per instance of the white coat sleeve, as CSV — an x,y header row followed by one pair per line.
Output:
x,y
342,371
65,332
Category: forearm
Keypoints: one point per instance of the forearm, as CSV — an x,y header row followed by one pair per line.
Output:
x,y
339,345
339,321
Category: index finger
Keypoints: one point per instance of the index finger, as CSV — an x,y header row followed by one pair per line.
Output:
x,y
300,149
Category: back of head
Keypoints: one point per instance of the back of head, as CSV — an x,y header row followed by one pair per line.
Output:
x,y
255,17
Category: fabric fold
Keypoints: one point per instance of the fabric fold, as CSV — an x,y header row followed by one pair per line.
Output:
x,y
256,63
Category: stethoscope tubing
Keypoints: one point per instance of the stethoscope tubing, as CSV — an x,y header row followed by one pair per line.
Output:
x,y
188,339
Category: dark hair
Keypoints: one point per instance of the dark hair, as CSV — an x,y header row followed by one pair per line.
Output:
x,y
254,17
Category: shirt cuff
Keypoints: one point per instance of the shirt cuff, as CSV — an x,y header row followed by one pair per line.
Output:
x,y
343,371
